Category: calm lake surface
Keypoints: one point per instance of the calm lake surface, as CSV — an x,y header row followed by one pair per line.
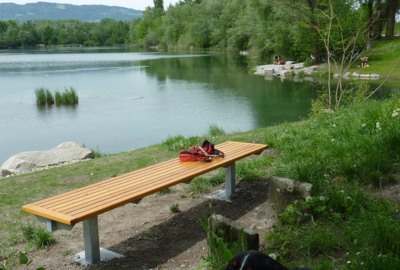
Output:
x,y
129,100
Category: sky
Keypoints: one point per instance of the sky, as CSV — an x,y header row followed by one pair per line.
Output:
x,y
135,4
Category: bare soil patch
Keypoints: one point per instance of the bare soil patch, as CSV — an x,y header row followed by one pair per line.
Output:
x,y
150,236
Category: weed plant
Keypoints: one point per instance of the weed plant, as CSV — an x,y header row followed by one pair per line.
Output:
x,y
58,98
41,98
68,97
215,131
178,143
45,97
24,260
174,208
38,236
220,251
49,97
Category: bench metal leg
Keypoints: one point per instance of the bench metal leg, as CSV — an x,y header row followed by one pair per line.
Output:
x,y
91,240
93,253
230,184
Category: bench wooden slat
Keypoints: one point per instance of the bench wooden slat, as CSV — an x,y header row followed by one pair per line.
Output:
x,y
120,182
78,205
152,171
177,172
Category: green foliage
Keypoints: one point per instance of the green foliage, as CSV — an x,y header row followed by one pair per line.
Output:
x,y
179,142
341,219
220,250
165,191
41,98
203,184
68,97
252,168
97,152
49,97
107,32
45,97
38,236
174,208
24,260
215,130
344,144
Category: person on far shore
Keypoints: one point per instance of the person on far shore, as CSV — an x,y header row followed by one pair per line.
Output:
x,y
278,60
364,61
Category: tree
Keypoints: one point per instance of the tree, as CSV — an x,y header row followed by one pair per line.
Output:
x,y
392,8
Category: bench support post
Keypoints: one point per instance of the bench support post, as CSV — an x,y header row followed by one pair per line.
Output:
x,y
91,240
230,184
230,180
93,253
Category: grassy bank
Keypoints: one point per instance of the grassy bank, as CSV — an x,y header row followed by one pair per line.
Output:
x,y
348,156
382,58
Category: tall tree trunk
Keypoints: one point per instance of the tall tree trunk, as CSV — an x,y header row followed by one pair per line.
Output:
x,y
378,20
370,8
391,18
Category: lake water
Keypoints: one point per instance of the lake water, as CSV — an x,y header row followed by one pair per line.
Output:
x,y
129,100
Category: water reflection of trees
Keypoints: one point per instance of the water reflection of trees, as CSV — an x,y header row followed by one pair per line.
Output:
x,y
272,101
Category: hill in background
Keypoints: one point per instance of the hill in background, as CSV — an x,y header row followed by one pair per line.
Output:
x,y
54,11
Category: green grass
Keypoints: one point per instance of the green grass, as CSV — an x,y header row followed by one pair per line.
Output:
x,y
38,236
382,58
174,208
215,131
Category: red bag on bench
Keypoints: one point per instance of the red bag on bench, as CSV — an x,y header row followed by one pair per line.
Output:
x,y
205,152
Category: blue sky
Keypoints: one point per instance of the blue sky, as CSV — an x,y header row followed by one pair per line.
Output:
x,y
136,4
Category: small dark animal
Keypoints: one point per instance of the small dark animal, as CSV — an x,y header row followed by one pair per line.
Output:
x,y
255,260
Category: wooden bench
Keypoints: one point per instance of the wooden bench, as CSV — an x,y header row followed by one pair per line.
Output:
x,y
85,204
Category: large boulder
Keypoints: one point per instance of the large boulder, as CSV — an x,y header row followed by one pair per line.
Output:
x,y
33,160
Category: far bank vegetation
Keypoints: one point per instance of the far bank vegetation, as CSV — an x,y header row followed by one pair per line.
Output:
x,y
45,97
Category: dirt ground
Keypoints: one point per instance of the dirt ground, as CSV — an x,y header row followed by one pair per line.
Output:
x,y
150,236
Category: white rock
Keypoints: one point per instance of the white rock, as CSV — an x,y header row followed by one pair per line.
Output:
x,y
32,160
